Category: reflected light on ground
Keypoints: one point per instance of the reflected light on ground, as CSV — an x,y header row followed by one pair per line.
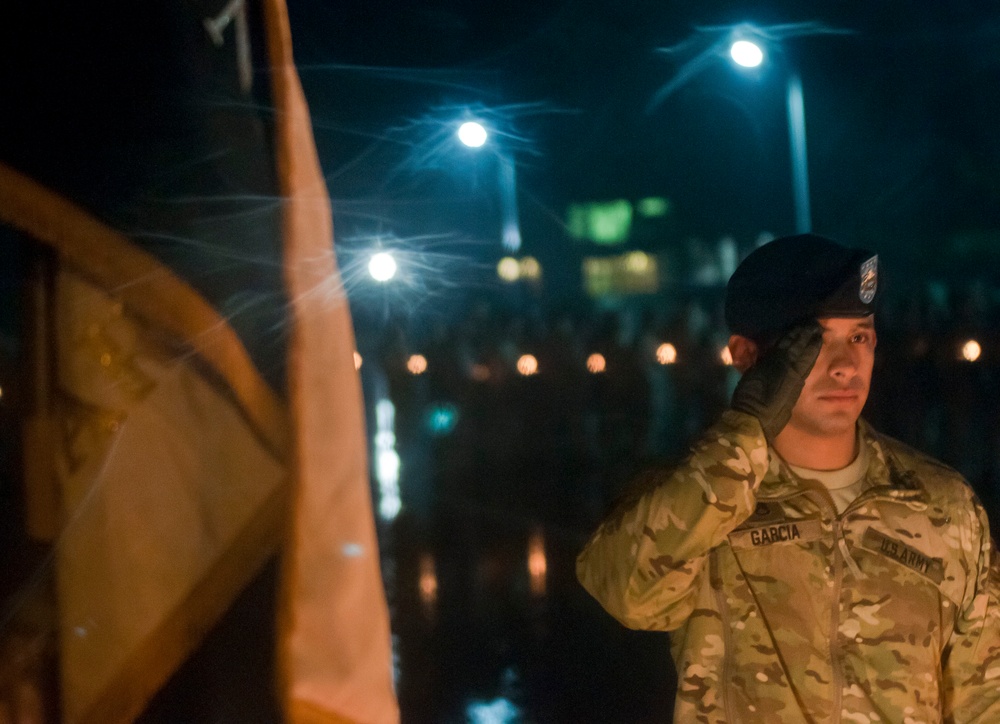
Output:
x,y
596,364
417,364
357,360
498,711
971,351
725,356
428,581
537,563
386,460
527,365
666,354
509,269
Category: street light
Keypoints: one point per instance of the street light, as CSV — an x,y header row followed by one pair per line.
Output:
x,y
382,266
748,54
474,135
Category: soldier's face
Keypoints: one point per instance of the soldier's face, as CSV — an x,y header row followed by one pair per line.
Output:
x,y
837,387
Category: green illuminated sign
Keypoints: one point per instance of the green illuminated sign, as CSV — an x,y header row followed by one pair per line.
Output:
x,y
607,222
653,207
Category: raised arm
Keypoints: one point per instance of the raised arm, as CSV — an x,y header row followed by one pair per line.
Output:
x,y
644,561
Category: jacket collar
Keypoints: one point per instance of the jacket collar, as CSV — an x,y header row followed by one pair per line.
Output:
x,y
886,475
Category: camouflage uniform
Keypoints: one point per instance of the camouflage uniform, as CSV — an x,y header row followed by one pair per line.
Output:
x,y
782,611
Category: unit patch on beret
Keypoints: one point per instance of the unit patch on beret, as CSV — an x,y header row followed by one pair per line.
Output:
x,y
869,280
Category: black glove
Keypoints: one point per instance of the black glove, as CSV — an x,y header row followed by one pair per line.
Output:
x,y
771,387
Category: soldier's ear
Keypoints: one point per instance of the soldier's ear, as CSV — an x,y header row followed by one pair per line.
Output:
x,y
744,351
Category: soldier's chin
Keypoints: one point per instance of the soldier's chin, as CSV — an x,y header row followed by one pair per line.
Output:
x,y
838,423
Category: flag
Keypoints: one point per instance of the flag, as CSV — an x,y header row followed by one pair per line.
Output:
x,y
335,649
160,459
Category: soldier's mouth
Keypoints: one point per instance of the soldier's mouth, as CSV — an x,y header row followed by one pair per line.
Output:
x,y
839,396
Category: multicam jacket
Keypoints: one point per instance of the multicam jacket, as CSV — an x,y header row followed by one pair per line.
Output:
x,y
783,611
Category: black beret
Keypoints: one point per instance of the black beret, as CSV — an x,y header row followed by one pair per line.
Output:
x,y
796,278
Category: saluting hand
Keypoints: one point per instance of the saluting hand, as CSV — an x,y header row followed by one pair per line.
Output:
x,y
770,388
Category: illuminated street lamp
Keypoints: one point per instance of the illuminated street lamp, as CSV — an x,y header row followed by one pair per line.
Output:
x,y
474,135
382,266
748,54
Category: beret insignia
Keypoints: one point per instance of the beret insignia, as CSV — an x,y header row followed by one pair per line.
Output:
x,y
869,280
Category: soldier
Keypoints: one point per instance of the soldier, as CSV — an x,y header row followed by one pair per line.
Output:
x,y
808,568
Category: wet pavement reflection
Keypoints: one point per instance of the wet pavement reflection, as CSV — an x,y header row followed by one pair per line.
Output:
x,y
491,626
493,460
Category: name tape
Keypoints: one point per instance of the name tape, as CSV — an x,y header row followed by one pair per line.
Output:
x,y
790,531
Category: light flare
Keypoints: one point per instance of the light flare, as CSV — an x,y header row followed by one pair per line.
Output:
x,y
971,350
666,354
703,48
530,268
472,134
428,584
509,269
746,54
527,365
416,364
537,563
382,266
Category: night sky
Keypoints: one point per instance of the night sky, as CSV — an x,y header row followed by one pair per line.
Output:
x,y
902,107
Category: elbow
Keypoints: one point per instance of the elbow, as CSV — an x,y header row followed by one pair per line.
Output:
x,y
637,612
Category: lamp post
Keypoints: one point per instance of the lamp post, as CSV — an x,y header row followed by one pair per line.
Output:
x,y
474,135
748,54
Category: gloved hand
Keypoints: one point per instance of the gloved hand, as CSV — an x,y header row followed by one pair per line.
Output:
x,y
771,387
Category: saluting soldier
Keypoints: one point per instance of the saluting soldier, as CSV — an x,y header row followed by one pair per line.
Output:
x,y
808,568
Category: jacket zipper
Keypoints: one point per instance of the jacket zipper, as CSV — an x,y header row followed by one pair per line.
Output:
x,y
838,564
835,663
715,578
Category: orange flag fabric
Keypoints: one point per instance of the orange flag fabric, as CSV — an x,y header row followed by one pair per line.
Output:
x,y
335,651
